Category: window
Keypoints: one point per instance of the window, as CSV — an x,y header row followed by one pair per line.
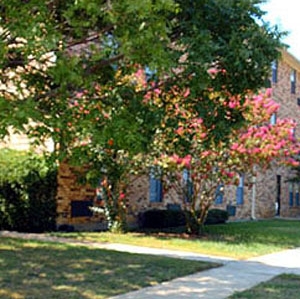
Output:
x,y
219,194
274,71
297,198
240,191
156,190
293,131
81,208
188,185
291,194
294,196
273,119
293,81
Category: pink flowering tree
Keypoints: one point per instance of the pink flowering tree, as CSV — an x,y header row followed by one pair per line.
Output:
x,y
195,161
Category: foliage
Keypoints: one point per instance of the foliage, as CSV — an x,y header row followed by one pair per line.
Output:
x,y
27,192
61,271
80,73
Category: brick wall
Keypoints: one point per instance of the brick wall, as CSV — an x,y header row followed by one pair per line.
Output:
x,y
74,197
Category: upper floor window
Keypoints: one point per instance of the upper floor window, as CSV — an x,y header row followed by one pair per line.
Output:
x,y
293,81
274,71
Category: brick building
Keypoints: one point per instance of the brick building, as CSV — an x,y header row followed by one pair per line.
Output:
x,y
265,197
271,195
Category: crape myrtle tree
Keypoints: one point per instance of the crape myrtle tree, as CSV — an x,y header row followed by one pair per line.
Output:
x,y
196,163
81,72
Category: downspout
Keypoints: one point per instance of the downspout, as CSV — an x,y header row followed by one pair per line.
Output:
x,y
253,200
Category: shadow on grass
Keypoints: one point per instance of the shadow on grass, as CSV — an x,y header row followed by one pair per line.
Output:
x,y
277,232
31,269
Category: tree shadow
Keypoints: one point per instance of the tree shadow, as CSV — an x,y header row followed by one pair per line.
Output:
x,y
32,269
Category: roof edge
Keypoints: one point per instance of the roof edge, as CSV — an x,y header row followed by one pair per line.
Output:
x,y
290,59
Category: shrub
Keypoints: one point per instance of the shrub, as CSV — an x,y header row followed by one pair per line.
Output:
x,y
160,219
27,192
216,216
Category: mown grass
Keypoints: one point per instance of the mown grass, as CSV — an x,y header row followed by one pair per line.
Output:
x,y
32,269
285,286
238,240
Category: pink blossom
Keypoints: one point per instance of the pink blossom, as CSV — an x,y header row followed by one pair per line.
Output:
x,y
175,158
229,174
79,94
186,93
205,154
122,196
256,151
186,161
232,104
269,92
157,91
212,71
235,146
180,131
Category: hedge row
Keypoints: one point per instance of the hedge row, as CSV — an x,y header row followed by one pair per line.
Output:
x,y
27,192
156,219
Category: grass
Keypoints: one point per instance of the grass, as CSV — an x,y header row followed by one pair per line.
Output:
x,y
285,286
238,240
33,269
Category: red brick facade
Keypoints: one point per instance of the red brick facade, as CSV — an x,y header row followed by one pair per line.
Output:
x,y
272,191
260,200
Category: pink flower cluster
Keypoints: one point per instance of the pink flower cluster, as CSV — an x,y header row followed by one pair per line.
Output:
x,y
185,161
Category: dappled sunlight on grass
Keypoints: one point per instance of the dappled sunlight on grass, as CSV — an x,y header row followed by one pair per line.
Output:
x,y
10,294
50,270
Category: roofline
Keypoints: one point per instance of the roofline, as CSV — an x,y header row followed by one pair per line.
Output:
x,y
290,59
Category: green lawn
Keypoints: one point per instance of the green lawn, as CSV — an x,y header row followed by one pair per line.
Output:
x,y
32,269
239,240
285,286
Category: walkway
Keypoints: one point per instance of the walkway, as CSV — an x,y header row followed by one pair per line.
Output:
x,y
217,283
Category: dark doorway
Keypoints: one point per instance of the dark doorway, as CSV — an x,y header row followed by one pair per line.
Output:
x,y
278,195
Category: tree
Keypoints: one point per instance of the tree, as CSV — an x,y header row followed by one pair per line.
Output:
x,y
191,158
76,73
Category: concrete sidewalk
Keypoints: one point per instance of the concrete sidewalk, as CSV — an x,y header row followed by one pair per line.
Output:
x,y
215,283
219,283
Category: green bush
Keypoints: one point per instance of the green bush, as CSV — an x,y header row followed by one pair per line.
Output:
x,y
27,192
161,219
216,216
